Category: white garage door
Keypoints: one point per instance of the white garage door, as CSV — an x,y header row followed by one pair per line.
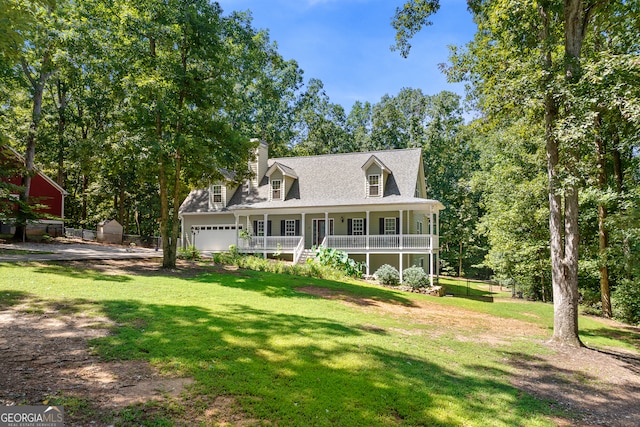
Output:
x,y
214,237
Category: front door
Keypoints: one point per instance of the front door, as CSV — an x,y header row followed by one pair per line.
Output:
x,y
319,230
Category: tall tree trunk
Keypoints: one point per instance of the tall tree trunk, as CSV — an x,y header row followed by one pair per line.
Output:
x,y
62,125
37,85
563,223
168,255
121,197
176,206
617,163
460,260
85,187
603,233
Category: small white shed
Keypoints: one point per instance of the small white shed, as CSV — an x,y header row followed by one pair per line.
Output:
x,y
110,231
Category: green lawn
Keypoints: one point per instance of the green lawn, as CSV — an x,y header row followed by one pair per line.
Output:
x,y
293,359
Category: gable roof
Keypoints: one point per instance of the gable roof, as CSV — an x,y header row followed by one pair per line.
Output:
x,y
373,159
10,150
327,180
286,170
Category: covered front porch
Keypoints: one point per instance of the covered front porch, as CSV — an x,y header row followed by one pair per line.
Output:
x,y
398,237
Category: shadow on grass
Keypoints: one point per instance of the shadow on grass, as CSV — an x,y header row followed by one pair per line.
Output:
x,y
290,286
462,291
579,390
10,298
302,370
629,335
35,305
85,273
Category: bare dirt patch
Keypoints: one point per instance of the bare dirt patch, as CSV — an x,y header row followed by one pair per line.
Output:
x,y
46,356
601,387
480,327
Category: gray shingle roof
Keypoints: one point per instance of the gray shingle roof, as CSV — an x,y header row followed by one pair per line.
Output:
x,y
327,180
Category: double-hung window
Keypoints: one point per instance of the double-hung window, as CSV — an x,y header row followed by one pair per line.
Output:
x,y
216,193
276,189
420,227
374,185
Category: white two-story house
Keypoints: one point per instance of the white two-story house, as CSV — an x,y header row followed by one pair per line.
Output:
x,y
372,205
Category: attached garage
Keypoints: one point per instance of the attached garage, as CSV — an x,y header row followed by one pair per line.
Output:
x,y
214,237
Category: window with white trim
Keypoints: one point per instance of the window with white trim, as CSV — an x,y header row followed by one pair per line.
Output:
x,y
389,226
216,193
373,182
420,227
276,189
357,227
259,231
289,227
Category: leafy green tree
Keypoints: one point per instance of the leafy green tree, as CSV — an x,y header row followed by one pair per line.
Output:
x,y
180,62
528,57
268,97
321,125
359,125
533,59
36,60
512,180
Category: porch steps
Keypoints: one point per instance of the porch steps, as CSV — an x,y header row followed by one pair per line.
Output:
x,y
306,254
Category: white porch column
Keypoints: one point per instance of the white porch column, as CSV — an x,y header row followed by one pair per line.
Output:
x,y
265,228
400,243
237,230
368,262
431,236
438,252
326,225
368,226
401,268
302,230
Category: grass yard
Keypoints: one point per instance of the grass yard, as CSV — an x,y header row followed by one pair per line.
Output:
x,y
296,351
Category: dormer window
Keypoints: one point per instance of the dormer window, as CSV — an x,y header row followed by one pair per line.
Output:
x,y
216,193
276,189
374,185
217,196
281,179
376,174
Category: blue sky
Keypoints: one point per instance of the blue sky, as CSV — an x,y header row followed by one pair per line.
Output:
x,y
345,43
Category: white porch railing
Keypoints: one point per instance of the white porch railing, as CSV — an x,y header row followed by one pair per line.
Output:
x,y
375,242
297,252
270,243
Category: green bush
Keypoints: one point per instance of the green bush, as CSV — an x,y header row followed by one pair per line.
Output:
x,y
258,263
339,260
415,277
189,253
388,275
626,302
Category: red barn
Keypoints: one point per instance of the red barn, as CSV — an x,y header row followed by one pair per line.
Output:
x,y
43,191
